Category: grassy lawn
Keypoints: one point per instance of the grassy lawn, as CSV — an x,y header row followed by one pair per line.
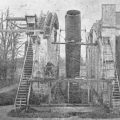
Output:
x,y
32,113
8,98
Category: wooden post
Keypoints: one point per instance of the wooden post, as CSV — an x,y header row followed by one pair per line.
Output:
x,y
50,93
88,93
110,90
68,91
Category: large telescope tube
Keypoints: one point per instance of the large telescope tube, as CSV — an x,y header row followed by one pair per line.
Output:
x,y
72,33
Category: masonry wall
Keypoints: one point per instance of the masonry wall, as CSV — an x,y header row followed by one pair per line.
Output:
x,y
43,53
108,15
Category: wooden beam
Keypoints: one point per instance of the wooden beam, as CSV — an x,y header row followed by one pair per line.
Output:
x,y
111,27
81,30
76,43
70,80
61,105
20,30
16,19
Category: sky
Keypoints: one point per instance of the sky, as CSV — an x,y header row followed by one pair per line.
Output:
x,y
90,11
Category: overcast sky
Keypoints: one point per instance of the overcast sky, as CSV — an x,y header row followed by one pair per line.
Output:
x,y
90,9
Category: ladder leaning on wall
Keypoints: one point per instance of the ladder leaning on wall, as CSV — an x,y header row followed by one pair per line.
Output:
x,y
109,69
24,88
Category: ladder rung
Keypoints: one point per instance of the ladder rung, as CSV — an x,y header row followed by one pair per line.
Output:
x,y
23,99
23,92
23,89
20,104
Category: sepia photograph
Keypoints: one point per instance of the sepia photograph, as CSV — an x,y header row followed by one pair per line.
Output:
x,y
60,60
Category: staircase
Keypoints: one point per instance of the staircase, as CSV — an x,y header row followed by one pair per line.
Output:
x,y
110,65
24,88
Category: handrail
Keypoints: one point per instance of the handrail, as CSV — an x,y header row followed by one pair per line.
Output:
x,y
22,73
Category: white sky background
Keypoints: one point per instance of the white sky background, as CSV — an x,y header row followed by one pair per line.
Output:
x,y
90,10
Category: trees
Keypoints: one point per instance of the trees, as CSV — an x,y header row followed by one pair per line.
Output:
x,y
9,47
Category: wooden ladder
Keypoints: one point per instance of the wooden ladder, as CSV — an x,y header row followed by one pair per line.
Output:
x,y
115,83
116,89
24,87
108,60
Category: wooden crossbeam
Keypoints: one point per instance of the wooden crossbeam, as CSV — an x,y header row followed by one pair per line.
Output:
x,y
20,30
16,19
70,80
81,30
76,43
61,105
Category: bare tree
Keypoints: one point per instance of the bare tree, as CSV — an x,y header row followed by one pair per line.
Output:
x,y
9,47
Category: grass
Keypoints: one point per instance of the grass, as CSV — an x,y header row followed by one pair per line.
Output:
x,y
9,97
96,115
32,113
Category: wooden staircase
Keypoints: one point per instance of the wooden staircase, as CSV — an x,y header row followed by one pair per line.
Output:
x,y
24,88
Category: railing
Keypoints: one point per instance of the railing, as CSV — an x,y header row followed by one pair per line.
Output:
x,y
21,74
